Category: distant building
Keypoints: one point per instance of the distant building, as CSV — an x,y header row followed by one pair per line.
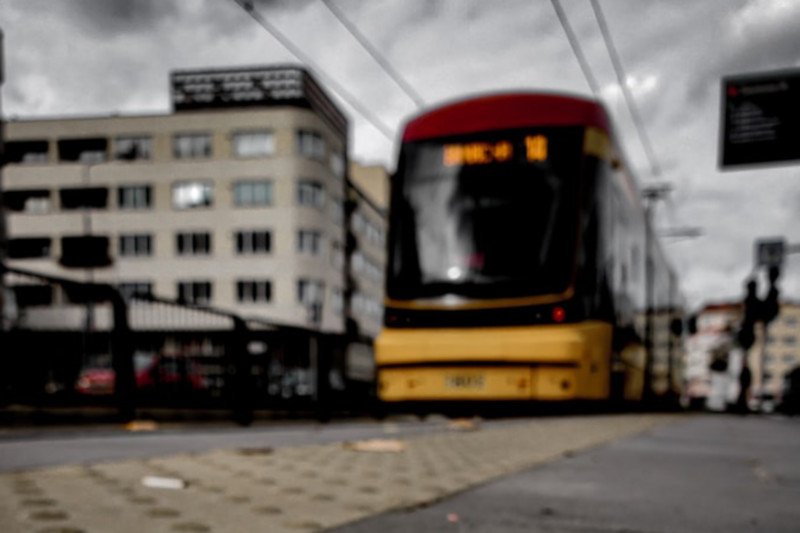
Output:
x,y
237,199
368,198
782,349
769,361
716,324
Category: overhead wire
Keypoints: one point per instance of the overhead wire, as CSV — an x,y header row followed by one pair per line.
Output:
x,y
376,55
337,88
620,73
576,47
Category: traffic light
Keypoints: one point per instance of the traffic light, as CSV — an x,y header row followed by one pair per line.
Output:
x,y
746,335
756,310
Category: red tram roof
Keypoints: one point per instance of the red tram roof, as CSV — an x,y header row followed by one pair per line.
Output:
x,y
506,111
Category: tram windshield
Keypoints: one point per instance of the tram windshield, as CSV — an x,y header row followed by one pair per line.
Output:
x,y
490,215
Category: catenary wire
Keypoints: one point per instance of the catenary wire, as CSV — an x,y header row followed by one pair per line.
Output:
x,y
372,51
620,73
576,47
337,88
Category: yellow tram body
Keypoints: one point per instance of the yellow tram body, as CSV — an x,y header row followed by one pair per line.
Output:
x,y
593,325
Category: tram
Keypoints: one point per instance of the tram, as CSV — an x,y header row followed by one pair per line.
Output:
x,y
521,265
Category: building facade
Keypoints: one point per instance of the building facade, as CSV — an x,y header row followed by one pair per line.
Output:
x,y
236,200
782,349
367,199
771,358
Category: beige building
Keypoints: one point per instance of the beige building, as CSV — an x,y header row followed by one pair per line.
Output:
x,y
782,349
768,361
368,196
235,200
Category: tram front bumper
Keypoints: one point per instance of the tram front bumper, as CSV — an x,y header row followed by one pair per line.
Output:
x,y
553,362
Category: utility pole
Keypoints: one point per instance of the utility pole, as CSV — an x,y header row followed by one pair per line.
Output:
x,y
651,195
3,236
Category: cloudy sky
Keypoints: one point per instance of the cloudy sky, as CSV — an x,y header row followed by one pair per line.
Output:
x,y
77,57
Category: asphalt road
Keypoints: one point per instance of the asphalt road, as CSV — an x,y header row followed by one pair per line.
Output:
x,y
706,473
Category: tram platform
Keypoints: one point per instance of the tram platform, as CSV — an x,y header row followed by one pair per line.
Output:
x,y
300,488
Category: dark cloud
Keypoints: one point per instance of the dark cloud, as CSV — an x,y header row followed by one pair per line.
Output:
x,y
99,56
283,5
116,17
754,36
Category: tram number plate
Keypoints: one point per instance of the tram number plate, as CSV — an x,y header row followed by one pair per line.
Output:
x,y
465,381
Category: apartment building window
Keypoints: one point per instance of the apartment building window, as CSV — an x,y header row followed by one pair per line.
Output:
x,y
28,247
85,251
84,198
193,243
790,340
253,291
337,210
134,197
337,255
135,245
311,144
26,152
253,242
337,300
32,295
194,292
129,289
336,162
309,242
310,291
366,305
252,193
27,201
132,148
191,145
367,267
192,194
310,193
86,151
369,229
253,143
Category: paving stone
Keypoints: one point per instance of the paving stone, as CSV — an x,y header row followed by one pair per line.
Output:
x,y
307,488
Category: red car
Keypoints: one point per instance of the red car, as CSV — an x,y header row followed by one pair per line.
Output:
x,y
152,372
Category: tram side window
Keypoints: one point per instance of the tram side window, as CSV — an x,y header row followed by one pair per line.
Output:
x,y
636,263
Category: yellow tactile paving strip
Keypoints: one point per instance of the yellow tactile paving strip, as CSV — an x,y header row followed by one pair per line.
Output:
x,y
290,489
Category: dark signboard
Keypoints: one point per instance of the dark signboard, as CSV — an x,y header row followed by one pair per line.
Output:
x,y
770,252
760,119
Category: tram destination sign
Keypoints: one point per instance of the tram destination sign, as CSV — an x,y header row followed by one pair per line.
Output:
x,y
760,119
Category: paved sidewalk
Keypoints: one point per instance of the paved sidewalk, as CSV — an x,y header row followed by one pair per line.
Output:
x,y
292,489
